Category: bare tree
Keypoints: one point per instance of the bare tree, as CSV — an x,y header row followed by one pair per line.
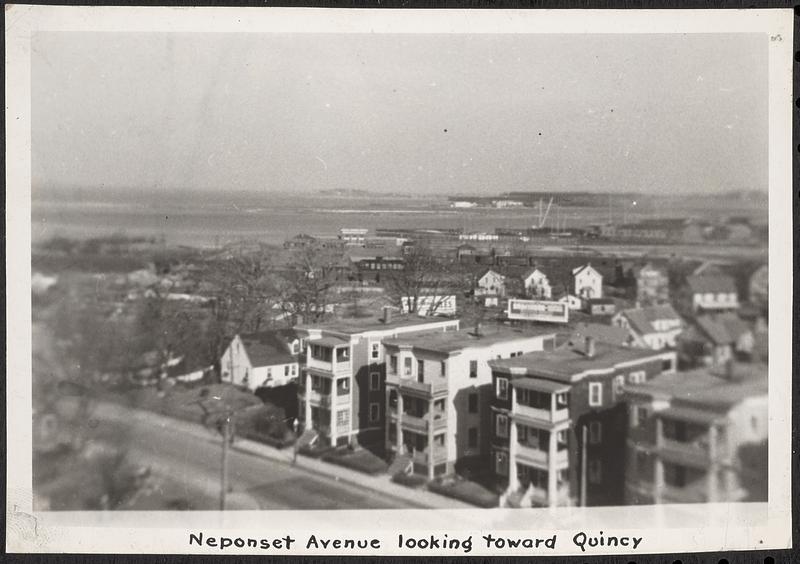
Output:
x,y
246,289
307,281
426,281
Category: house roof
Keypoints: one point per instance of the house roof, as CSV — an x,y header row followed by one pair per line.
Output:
x,y
642,319
451,341
602,333
364,325
268,348
578,269
705,388
711,284
722,329
567,363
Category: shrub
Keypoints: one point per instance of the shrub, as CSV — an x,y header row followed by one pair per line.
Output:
x,y
468,492
411,480
359,460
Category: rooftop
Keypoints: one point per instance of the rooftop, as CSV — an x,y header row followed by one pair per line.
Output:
x,y
268,348
711,283
367,324
603,333
566,364
707,388
450,341
641,319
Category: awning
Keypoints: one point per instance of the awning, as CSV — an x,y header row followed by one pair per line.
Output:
x,y
329,341
540,385
689,414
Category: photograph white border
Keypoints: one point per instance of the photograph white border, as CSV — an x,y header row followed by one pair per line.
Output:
x,y
676,528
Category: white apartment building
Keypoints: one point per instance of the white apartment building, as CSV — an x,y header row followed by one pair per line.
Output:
x,y
438,391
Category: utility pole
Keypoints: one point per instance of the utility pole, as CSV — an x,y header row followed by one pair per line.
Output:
x,y
583,465
226,437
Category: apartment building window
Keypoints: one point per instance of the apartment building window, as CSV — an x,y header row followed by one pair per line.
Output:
x,y
637,377
502,388
444,368
472,437
374,412
342,386
420,370
343,354
595,471
393,364
472,403
375,351
595,432
374,381
561,439
294,370
562,400
407,366
619,385
286,370
641,415
343,418
501,426
501,463
473,368
595,394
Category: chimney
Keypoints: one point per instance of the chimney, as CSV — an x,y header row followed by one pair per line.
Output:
x,y
590,346
387,314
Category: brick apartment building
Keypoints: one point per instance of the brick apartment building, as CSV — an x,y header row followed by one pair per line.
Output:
x,y
559,420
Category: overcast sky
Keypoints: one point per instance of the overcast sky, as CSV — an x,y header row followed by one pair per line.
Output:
x,y
418,113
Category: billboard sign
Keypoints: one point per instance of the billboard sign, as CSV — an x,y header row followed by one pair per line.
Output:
x,y
431,305
538,310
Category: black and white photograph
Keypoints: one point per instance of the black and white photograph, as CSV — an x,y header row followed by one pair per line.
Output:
x,y
288,263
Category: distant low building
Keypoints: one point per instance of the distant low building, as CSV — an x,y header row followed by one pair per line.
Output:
x,y
653,327
265,359
697,437
601,306
712,292
601,333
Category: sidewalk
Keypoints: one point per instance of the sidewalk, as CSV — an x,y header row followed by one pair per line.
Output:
x,y
381,484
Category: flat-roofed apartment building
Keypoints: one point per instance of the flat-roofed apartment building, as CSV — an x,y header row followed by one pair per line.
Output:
x,y
341,391
438,391
559,422
698,436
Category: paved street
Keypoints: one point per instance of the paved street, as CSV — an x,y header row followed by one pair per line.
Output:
x,y
186,461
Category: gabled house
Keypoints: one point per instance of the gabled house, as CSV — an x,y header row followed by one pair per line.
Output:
x,y
711,291
715,340
491,286
654,327
587,282
265,359
537,284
